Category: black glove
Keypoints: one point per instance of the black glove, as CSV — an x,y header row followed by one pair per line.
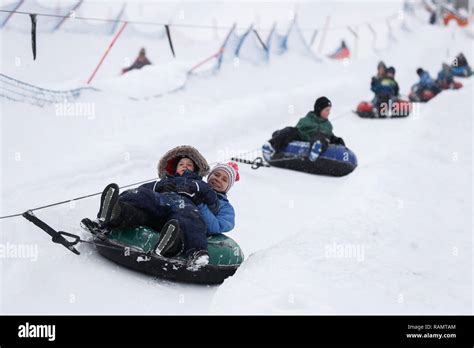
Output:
x,y
165,185
207,196
189,188
200,192
337,140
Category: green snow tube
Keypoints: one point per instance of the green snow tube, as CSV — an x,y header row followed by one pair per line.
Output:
x,y
133,248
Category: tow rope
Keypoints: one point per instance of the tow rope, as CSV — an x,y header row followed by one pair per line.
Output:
x,y
57,236
260,162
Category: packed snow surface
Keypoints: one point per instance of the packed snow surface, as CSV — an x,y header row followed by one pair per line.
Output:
x,y
394,236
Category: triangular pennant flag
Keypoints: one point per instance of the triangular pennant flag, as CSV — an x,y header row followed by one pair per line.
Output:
x,y
33,34
169,38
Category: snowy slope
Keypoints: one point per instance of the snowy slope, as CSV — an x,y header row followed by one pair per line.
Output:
x,y
404,214
393,237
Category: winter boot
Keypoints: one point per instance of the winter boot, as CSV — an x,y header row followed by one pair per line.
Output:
x,y
171,240
197,260
268,151
316,150
94,228
109,207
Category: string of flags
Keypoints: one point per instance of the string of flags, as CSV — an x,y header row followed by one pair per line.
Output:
x,y
33,18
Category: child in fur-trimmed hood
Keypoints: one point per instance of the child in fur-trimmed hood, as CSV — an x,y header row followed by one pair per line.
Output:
x,y
172,201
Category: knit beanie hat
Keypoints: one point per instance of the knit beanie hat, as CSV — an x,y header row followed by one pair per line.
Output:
x,y
320,104
232,171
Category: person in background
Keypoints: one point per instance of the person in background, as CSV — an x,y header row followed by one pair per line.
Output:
x,y
387,89
314,128
426,81
139,63
381,70
445,77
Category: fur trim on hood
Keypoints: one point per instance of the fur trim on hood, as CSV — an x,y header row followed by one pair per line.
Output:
x,y
167,163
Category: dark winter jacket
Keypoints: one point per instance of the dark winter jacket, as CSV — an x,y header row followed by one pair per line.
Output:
x,y
221,222
445,77
387,86
374,83
173,198
189,186
311,124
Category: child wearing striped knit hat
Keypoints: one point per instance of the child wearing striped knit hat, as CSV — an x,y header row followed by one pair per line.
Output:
x,y
221,178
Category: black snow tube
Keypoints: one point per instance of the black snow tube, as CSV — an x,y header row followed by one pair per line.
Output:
x,y
322,166
337,160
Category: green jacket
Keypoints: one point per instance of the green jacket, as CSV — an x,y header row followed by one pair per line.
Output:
x,y
311,124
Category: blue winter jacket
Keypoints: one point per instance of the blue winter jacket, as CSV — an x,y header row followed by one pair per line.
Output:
x,y
445,76
426,81
223,221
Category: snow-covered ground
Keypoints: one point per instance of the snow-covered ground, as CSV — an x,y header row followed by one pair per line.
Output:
x,y
395,236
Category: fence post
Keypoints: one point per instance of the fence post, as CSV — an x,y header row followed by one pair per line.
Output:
x,y
118,18
313,37
79,3
374,34
356,38
11,13
325,30
107,52
391,37
222,48
244,36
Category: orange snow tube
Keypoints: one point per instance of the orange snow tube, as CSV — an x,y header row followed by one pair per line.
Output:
x,y
462,22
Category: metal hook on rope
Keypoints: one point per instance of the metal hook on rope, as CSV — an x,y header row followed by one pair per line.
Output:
x,y
57,237
255,164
